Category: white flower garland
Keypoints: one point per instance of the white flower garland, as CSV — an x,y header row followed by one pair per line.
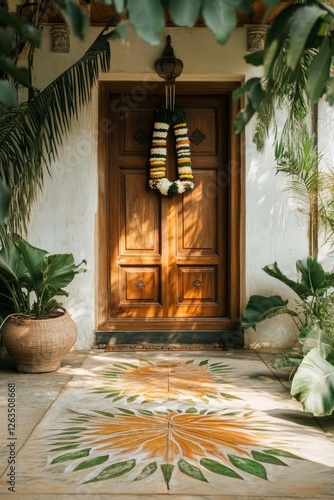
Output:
x,y
158,179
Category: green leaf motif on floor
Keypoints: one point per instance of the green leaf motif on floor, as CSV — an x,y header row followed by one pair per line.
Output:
x,y
167,471
92,462
190,470
218,468
249,466
71,456
281,453
268,459
105,413
147,471
114,470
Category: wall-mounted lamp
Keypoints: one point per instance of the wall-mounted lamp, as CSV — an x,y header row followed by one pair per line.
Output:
x,y
169,68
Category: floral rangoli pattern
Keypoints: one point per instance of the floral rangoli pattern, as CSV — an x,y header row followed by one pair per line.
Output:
x,y
136,428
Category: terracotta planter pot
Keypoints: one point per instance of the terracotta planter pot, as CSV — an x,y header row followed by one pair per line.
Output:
x,y
38,345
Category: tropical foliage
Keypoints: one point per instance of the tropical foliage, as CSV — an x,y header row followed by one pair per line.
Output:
x,y
31,133
313,367
31,278
296,60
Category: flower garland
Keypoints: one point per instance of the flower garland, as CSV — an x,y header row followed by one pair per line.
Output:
x,y
163,120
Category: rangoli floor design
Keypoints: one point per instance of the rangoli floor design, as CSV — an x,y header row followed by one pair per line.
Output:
x,y
187,423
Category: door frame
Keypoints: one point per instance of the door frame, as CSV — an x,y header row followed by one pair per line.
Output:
x,y
236,247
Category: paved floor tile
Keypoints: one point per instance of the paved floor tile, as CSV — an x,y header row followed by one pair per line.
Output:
x,y
190,425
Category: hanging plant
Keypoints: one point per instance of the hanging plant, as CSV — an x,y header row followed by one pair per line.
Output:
x,y
163,120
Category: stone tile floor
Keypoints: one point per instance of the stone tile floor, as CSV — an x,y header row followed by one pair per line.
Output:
x,y
152,424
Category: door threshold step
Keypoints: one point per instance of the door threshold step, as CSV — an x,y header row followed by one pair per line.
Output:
x,y
173,340
162,347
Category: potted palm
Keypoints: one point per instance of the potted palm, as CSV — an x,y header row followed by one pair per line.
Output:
x,y
36,330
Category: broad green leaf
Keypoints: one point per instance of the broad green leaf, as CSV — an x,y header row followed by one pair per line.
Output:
x,y
302,290
243,117
11,265
248,465
313,384
8,96
71,456
6,40
255,58
330,92
34,260
220,17
21,75
147,17
59,271
265,458
276,36
260,308
218,468
185,13
237,93
312,275
75,17
318,74
256,95
300,30
204,362
270,56
114,470
147,471
4,191
25,29
92,462
191,470
313,336
167,471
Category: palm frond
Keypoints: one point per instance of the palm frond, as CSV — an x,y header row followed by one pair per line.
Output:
x,y
31,134
298,158
283,90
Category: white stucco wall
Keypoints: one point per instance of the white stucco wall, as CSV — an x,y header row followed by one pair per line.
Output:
x,y
64,218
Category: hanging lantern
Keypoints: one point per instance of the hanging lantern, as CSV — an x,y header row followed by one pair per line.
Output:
x,y
169,68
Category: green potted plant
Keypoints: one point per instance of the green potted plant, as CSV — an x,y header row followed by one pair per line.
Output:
x,y
36,330
313,312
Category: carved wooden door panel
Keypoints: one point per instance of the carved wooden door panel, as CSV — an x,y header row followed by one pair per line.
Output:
x,y
168,255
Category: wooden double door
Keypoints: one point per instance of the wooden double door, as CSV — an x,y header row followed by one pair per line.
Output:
x,y
167,259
